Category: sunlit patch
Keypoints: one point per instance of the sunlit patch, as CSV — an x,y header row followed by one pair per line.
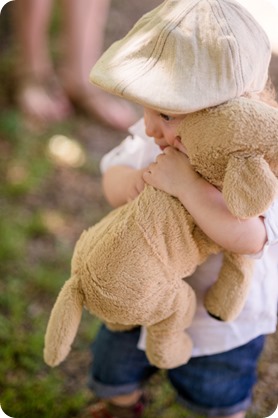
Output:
x,y
66,151
61,225
16,173
53,221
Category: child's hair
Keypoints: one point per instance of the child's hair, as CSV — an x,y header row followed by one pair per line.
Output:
x,y
267,95
187,55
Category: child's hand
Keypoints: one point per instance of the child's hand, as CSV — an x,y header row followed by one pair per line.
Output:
x,y
171,172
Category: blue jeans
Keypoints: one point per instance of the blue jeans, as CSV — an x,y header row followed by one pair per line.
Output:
x,y
219,384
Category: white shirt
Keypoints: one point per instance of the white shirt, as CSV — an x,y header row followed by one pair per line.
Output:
x,y
259,314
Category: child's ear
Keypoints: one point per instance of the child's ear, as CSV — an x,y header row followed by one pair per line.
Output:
x,y
63,323
249,186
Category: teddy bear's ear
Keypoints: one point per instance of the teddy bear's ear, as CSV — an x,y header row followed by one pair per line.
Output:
x,y
63,323
249,186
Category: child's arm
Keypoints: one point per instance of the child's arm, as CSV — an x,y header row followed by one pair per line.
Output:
x,y
121,184
173,173
122,166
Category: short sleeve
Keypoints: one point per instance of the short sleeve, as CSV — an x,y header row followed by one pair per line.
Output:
x,y
271,223
136,151
271,226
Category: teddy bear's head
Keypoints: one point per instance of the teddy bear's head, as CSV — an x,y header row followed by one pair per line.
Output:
x,y
235,147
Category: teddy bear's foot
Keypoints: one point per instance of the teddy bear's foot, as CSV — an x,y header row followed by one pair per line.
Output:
x,y
172,352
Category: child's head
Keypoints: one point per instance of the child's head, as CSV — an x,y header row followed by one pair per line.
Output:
x,y
186,55
163,128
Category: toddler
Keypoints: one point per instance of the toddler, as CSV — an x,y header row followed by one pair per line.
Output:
x,y
181,57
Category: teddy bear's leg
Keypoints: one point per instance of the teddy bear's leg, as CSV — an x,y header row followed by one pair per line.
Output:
x,y
226,297
167,344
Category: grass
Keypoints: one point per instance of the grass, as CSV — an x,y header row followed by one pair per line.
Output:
x,y
34,262
45,204
35,251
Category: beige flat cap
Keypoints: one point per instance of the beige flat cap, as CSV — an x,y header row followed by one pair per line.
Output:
x,y
186,55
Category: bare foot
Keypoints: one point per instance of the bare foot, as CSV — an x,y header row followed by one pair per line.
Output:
x,y
43,102
110,110
113,111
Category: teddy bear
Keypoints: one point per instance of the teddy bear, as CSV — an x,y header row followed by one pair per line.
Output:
x,y
130,268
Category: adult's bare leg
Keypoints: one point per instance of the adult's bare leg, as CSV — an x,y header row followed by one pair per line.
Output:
x,y
39,95
85,24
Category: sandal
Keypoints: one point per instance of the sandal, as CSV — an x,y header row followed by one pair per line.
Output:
x,y
109,410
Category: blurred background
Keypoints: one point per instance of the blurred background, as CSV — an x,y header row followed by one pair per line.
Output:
x,y
50,191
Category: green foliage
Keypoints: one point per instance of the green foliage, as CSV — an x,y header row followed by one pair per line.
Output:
x,y
34,263
41,398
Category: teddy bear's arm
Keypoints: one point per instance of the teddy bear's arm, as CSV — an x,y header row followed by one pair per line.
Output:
x,y
249,186
226,297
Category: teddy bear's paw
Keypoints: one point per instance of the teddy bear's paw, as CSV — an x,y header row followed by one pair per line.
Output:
x,y
221,311
215,309
215,316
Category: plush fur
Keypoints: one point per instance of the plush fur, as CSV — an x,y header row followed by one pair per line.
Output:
x,y
128,269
